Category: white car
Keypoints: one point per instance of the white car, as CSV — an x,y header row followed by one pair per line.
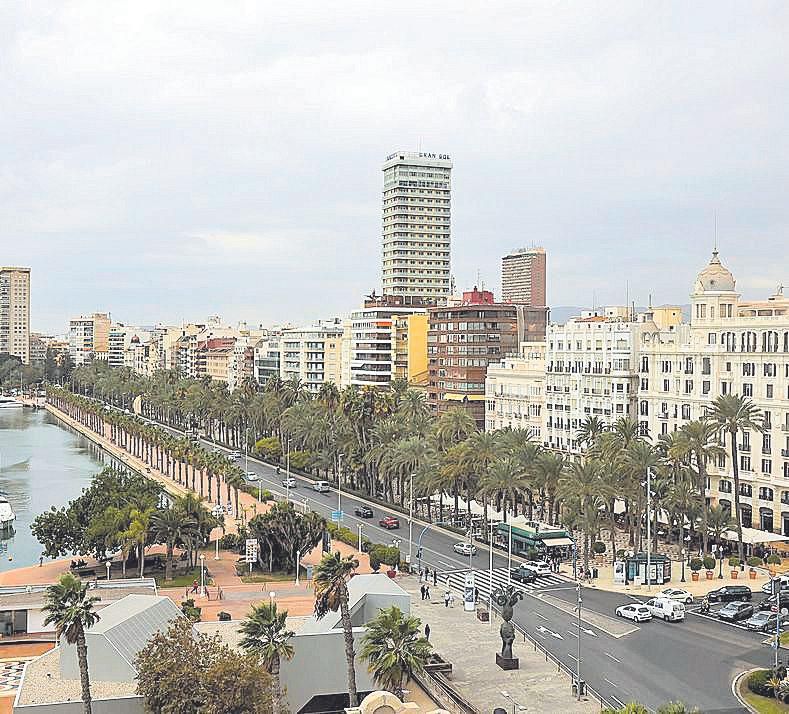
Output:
x,y
539,566
666,609
677,594
465,548
289,482
252,476
235,455
635,612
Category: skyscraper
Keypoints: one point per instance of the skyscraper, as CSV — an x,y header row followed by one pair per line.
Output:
x,y
416,226
523,277
15,313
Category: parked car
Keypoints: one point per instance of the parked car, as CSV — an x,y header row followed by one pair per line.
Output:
x,y
363,511
730,593
523,574
677,594
539,566
289,482
666,609
389,522
762,621
634,612
252,476
771,601
735,611
235,455
321,486
465,548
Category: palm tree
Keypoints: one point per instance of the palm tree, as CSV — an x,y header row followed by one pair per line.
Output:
x,y
732,414
171,527
588,431
331,595
70,609
394,649
549,467
266,635
719,520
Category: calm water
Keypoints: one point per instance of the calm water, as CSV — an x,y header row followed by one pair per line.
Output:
x,y
43,463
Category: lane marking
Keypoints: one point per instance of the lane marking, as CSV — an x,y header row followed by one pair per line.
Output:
x,y
540,615
617,700
609,681
574,634
612,657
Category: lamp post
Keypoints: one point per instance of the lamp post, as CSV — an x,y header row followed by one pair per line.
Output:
x,y
683,566
271,597
687,547
578,661
360,537
296,554
490,578
649,519
216,554
410,519
202,574
509,554
720,562
109,566
287,471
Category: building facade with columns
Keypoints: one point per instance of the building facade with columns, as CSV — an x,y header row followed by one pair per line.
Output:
x,y
730,346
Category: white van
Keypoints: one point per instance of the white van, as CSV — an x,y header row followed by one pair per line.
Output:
x,y
321,486
666,609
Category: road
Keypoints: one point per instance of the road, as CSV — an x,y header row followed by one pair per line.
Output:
x,y
693,661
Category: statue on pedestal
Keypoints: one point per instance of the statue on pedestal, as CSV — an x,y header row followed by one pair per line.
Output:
x,y
506,598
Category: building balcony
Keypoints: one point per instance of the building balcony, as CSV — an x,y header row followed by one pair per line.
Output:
x,y
745,448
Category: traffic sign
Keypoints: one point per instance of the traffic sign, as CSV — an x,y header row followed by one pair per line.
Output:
x,y
251,550
337,516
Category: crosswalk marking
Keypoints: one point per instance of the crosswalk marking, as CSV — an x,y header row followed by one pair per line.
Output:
x,y
482,577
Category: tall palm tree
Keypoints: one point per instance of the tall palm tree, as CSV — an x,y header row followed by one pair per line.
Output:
x,y
719,520
589,430
70,609
265,634
172,526
549,467
331,595
394,649
731,414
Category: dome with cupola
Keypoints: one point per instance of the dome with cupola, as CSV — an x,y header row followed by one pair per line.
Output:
x,y
715,277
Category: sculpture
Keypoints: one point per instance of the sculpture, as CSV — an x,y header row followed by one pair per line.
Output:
x,y
506,598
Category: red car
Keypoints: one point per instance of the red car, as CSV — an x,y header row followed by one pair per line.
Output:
x,y
389,522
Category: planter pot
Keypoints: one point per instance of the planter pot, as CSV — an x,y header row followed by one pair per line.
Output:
x,y
752,574
694,577
710,575
734,574
391,574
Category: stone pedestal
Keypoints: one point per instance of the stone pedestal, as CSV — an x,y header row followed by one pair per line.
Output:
x,y
507,662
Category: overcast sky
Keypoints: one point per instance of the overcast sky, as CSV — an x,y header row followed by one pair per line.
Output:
x,y
167,161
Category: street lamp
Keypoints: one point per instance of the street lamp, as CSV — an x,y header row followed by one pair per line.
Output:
x,y
216,555
360,537
202,573
578,660
720,562
271,597
683,566
516,706
109,565
410,519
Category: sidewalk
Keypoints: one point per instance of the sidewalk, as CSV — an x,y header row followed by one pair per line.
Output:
x,y
471,646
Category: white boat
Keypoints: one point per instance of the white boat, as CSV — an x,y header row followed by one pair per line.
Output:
x,y
9,403
7,515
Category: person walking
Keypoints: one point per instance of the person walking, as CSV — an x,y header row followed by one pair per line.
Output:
x,y
422,590
435,577
427,592
446,599
427,632
195,585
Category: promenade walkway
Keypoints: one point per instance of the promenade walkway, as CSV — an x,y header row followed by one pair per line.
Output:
x,y
470,645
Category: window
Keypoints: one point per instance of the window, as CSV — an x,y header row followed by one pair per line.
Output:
x,y
767,466
712,338
688,386
769,391
745,463
686,411
666,385
746,490
747,389
705,365
765,493
767,444
705,387
724,486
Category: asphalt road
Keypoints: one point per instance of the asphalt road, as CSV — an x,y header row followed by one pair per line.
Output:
x,y
693,661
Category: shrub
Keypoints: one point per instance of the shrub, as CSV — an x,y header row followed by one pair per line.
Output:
x,y
709,562
755,562
758,683
345,535
620,554
599,547
695,564
268,446
734,562
190,610
533,554
383,555
773,559
229,541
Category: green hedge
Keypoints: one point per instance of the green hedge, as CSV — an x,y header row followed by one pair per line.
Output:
x,y
383,555
346,535
696,564
755,562
773,559
757,683
599,547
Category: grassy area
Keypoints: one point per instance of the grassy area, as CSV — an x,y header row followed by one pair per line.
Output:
x,y
763,705
180,581
276,576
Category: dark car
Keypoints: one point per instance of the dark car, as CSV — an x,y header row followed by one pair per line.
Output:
x,y
771,601
730,593
363,511
523,574
735,611
389,522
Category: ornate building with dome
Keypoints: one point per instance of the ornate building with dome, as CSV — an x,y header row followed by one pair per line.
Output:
x,y
730,346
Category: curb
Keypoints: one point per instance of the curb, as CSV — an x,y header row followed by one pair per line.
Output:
x,y
735,687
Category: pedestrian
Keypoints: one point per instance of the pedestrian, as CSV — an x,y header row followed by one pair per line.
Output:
x,y
422,591
427,592
41,562
427,632
452,599
194,586
435,577
446,599
476,595
427,573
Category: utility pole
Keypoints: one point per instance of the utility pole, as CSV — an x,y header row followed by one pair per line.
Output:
x,y
578,661
410,520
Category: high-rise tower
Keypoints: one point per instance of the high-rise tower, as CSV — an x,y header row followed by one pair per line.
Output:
x,y
15,312
523,277
416,226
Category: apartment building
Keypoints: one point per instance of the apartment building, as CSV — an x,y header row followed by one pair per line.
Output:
x,y
385,343
416,225
266,358
122,342
89,337
730,346
462,341
312,354
515,391
523,277
15,312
